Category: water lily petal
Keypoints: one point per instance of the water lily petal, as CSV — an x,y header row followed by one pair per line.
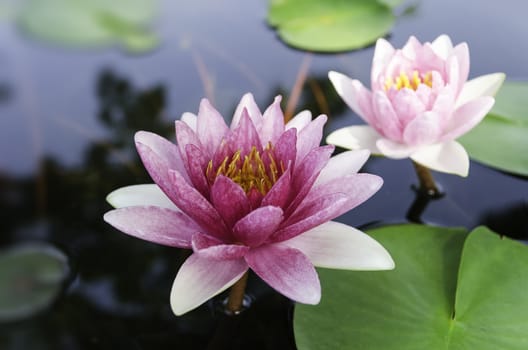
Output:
x,y
467,116
210,128
211,248
286,148
424,129
190,201
310,137
185,135
310,215
355,95
288,271
196,162
190,119
245,136
382,55
272,123
246,102
385,120
160,155
200,279
394,150
448,157
254,228
299,121
339,246
355,137
407,105
280,194
154,224
442,46
342,164
461,52
229,199
135,195
484,85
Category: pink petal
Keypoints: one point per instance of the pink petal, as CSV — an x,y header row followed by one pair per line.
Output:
x,y
190,119
279,194
424,129
200,279
288,271
395,150
407,105
214,249
382,55
286,148
273,123
357,187
485,85
312,214
196,163
154,224
344,163
191,202
386,121
229,199
300,121
339,246
186,136
247,102
210,128
355,95
254,228
461,51
355,137
411,48
442,46
159,155
310,137
467,116
138,195
245,136
447,157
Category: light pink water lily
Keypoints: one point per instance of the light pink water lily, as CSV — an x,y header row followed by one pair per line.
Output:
x,y
257,195
420,103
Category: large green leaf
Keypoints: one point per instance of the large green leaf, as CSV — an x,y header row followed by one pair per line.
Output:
x,y
501,139
31,276
90,23
330,25
449,291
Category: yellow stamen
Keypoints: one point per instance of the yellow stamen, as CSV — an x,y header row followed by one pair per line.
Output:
x,y
251,172
404,81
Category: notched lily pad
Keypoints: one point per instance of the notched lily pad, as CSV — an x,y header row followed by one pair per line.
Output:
x,y
501,139
450,290
331,25
31,276
91,23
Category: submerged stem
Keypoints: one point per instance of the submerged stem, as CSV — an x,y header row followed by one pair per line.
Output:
x,y
236,295
427,183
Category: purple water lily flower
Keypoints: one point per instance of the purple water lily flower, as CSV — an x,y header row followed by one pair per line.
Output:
x,y
257,195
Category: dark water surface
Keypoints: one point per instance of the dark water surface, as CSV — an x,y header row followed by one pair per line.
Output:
x,y
67,120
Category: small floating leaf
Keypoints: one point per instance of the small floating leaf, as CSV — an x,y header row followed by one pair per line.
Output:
x,y
31,276
501,139
449,291
331,25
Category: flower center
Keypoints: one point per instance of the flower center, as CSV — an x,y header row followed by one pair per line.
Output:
x,y
255,170
411,82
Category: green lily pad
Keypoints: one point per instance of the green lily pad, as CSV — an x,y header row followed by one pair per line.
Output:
x,y
31,276
91,23
449,291
330,25
501,140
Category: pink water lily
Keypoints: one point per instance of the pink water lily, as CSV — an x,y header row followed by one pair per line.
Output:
x,y
256,195
420,103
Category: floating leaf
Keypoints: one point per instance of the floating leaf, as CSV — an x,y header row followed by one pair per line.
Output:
x,y
90,23
331,25
447,292
31,276
501,139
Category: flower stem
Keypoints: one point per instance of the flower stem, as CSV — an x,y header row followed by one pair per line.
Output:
x,y
236,295
427,183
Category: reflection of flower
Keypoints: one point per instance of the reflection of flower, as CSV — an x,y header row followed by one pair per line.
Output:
x,y
257,195
420,102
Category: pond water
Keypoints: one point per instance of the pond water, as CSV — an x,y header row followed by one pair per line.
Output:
x,y
67,119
